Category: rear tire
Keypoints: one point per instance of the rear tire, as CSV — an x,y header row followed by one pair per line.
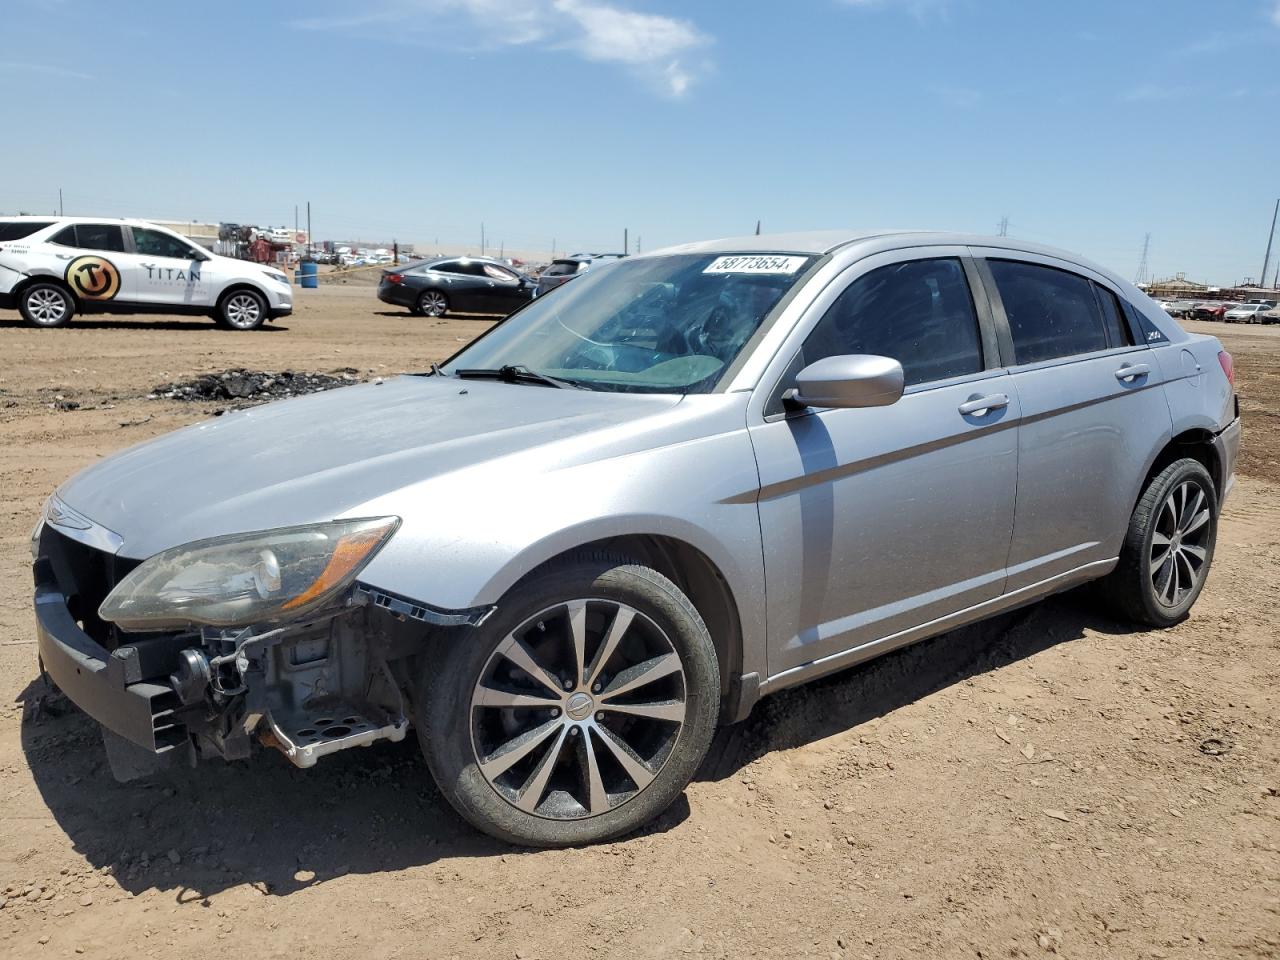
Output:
x,y
1168,549
607,727
241,309
46,305
431,303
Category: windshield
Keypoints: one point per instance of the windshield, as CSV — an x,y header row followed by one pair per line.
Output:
x,y
653,325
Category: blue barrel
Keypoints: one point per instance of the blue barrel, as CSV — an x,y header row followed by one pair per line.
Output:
x,y
310,275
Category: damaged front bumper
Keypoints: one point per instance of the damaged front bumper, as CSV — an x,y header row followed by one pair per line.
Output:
x,y
307,689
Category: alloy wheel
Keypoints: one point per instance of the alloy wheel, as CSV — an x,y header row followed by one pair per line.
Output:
x,y
243,311
434,303
578,709
47,306
1179,543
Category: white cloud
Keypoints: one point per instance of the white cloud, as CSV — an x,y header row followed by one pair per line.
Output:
x,y
660,50
1275,12
49,70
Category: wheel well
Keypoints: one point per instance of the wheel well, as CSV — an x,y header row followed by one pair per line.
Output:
x,y
243,286
20,287
1196,444
700,580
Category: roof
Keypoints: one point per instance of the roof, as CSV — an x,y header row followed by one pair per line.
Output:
x,y
828,241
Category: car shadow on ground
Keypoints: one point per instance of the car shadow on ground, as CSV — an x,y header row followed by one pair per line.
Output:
x,y
106,323
200,831
845,700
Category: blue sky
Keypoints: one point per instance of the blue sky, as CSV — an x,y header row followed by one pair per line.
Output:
x,y
1088,124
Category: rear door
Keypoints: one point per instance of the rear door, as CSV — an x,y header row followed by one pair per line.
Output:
x,y
1092,411
170,271
881,519
92,259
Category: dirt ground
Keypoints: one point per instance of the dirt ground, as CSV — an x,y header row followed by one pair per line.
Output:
x,y
1051,783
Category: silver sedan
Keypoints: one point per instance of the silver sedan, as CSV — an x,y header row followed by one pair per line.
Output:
x,y
686,481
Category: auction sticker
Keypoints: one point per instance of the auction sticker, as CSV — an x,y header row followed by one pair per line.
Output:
x,y
756,263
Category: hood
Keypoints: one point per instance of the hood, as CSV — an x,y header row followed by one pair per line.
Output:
x,y
321,456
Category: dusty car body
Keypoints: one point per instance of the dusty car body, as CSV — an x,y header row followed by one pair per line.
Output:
x,y
773,458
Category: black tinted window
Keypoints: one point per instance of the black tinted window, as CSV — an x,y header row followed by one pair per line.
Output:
x,y
17,229
919,312
1113,319
1051,313
66,237
99,236
153,243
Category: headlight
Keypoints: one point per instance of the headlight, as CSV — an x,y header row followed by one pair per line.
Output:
x,y
277,277
247,578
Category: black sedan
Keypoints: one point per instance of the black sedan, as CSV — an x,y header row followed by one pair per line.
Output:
x,y
433,288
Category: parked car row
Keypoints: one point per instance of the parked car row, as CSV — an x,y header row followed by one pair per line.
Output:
x,y
1255,311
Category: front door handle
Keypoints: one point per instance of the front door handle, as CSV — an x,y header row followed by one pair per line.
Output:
x,y
979,406
1132,371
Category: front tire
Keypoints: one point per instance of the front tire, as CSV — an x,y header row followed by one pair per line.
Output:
x,y
242,309
579,711
1168,549
46,305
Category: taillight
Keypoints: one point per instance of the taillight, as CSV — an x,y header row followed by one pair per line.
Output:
x,y
393,277
1228,366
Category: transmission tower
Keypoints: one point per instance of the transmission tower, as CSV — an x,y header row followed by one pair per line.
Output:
x,y
1002,228
1141,276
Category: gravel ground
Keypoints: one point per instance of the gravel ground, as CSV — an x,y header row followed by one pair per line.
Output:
x,y
1051,783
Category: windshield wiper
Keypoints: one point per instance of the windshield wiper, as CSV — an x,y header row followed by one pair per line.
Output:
x,y
516,373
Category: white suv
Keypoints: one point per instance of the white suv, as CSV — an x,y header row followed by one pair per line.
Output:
x,y
53,267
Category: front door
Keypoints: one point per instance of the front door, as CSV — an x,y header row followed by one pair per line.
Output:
x,y
169,271
882,519
1093,412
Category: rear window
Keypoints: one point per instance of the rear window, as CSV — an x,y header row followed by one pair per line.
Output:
x,y
563,268
17,229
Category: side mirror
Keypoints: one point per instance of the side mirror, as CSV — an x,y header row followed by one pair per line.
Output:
x,y
855,380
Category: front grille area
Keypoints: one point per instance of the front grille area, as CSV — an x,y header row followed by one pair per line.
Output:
x,y
86,575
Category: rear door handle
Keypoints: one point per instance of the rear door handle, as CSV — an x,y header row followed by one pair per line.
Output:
x,y
982,405
1132,371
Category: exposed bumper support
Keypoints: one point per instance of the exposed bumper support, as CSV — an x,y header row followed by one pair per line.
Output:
x,y
141,713
405,609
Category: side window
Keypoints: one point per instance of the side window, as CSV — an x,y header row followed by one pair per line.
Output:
x,y
920,313
17,229
1052,313
495,272
1112,319
100,236
1150,332
66,237
153,243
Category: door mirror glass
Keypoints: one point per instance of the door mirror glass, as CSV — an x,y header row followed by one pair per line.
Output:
x,y
852,380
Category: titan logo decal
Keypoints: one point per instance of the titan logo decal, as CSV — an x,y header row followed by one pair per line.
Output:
x,y
93,278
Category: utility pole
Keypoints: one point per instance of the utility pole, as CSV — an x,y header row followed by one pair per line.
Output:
x,y
625,244
502,249
1266,261
59,201
639,248
309,241
295,221
1141,275
757,228
482,238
